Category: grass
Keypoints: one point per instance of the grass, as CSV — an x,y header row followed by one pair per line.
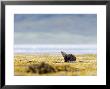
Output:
x,y
86,65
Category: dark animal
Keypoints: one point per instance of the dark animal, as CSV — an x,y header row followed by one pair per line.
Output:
x,y
68,57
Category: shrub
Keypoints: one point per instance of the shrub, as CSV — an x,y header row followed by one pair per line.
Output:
x,y
41,68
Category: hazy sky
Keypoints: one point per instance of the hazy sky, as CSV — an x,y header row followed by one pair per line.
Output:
x,y
55,29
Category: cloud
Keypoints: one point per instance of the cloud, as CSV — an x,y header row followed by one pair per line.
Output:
x,y
55,29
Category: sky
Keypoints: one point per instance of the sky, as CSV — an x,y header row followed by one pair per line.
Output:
x,y
55,29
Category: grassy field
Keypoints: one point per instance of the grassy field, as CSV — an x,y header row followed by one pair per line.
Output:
x,y
54,65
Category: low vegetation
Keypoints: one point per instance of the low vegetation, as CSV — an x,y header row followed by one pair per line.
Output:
x,y
54,65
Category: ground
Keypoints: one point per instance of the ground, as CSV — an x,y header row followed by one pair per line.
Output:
x,y
85,65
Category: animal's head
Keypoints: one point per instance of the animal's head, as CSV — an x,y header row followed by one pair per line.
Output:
x,y
63,53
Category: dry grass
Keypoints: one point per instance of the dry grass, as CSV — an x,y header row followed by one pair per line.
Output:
x,y
86,65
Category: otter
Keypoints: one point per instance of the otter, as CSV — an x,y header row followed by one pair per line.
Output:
x,y
68,57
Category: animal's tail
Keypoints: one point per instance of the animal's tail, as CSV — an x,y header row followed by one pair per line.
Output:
x,y
63,53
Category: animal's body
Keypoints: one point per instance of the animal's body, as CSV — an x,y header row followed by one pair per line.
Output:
x,y
68,57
